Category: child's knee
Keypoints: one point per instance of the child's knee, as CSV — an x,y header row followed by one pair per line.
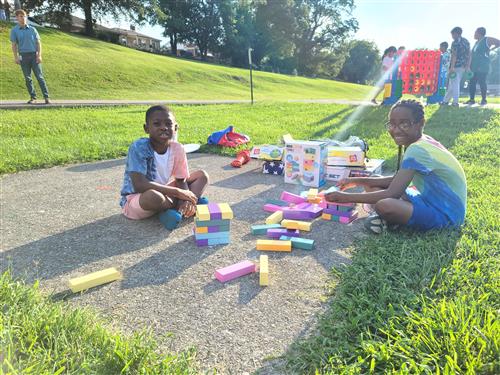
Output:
x,y
385,207
202,176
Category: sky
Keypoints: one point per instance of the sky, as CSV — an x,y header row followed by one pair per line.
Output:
x,y
409,23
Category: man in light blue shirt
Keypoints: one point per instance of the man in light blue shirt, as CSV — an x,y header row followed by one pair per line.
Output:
x,y
27,50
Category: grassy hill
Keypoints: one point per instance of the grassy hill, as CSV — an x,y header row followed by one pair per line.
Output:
x,y
76,67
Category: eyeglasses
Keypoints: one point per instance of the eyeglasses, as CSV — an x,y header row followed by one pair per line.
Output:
x,y
404,125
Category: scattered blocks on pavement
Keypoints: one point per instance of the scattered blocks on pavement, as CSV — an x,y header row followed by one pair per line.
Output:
x,y
274,245
296,224
93,279
275,218
262,229
234,271
299,243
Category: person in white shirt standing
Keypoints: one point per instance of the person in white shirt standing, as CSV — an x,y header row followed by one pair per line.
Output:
x,y
387,63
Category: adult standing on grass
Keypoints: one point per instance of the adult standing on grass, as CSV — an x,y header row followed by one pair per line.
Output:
x,y
459,64
480,63
27,49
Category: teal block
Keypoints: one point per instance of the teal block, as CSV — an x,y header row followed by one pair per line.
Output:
x,y
218,241
211,223
207,236
340,208
299,243
262,229
277,202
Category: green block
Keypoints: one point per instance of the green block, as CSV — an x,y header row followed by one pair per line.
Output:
x,y
262,229
277,202
299,243
211,223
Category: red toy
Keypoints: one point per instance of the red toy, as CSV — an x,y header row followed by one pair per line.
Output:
x,y
242,158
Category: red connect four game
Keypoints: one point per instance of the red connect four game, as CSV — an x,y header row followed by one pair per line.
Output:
x,y
419,72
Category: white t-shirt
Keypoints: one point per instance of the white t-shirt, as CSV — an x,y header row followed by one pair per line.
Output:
x,y
387,65
163,167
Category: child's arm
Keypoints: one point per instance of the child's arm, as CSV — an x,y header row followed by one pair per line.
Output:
x,y
395,189
381,182
142,184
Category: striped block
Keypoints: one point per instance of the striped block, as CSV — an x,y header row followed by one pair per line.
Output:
x,y
296,224
93,279
234,271
263,270
277,233
275,218
262,229
299,243
273,245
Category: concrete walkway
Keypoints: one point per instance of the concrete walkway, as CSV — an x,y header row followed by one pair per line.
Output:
x,y
65,221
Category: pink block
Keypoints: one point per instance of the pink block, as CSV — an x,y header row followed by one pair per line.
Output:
x,y
292,198
347,220
272,207
234,271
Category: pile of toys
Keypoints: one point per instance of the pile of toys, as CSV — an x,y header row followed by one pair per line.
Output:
x,y
212,224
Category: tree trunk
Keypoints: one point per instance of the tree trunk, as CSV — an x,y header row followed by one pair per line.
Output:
x,y
89,22
173,43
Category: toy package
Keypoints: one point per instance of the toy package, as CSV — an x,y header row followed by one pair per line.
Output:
x,y
346,156
305,162
267,152
372,166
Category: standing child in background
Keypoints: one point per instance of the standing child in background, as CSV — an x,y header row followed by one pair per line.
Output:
x,y
445,57
387,62
157,179
428,192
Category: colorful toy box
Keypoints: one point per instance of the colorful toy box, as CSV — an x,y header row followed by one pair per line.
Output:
x,y
267,152
346,156
305,162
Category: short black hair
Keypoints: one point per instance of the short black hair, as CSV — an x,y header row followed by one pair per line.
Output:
x,y
444,44
456,30
401,47
416,108
155,108
481,30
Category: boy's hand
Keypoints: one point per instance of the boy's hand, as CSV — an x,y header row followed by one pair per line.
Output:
x,y
338,197
187,209
187,195
347,183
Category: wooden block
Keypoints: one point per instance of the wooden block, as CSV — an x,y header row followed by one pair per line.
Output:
x,y
234,271
202,212
262,229
299,243
201,229
211,223
312,193
226,211
275,218
277,233
263,270
345,213
296,224
218,241
291,198
274,245
93,279
326,216
204,236
215,213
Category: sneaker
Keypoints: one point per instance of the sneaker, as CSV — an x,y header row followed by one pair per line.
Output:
x,y
31,101
484,102
470,102
47,101
374,101
375,224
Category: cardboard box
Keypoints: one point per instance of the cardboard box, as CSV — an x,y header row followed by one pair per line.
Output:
x,y
340,156
372,166
305,162
267,152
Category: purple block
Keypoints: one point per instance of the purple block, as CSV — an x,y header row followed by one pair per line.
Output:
x,y
202,242
331,211
214,210
277,233
291,198
213,229
297,215
272,208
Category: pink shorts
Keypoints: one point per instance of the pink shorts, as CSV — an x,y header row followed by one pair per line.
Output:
x,y
133,210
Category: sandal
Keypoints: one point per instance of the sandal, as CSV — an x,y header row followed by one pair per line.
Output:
x,y
375,224
242,158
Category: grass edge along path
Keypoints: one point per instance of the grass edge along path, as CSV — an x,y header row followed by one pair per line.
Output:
x,y
420,303
39,336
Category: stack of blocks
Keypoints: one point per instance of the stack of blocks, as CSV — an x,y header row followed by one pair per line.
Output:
x,y
212,224
340,212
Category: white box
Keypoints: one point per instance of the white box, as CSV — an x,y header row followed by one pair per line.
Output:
x,y
305,162
373,166
341,156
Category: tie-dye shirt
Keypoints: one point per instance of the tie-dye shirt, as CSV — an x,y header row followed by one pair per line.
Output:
x,y
439,177
141,159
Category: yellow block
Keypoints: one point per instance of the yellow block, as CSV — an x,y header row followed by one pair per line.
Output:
x,y
326,216
274,245
316,200
93,279
226,211
202,212
201,229
296,224
263,270
275,218
387,90
312,193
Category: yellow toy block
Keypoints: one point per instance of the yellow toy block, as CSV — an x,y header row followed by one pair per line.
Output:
x,y
316,200
226,211
296,224
312,193
202,212
263,270
326,216
274,245
275,218
93,279
387,90
201,229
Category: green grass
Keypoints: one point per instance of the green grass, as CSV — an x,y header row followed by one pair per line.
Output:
x,y
409,302
76,67
38,336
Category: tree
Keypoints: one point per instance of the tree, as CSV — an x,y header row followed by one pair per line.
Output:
x,y
173,16
362,62
91,8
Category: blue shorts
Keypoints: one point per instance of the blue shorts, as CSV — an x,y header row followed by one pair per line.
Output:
x,y
425,217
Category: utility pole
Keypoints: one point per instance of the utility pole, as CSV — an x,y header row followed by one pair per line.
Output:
x,y
251,78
